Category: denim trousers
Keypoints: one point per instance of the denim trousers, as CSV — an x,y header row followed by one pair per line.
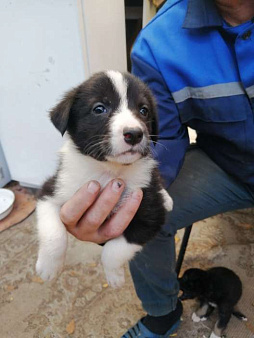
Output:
x,y
202,189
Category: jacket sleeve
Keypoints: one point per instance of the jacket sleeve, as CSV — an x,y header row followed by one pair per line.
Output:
x,y
173,136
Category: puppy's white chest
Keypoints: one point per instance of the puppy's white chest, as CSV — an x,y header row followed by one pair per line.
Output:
x,y
78,169
135,176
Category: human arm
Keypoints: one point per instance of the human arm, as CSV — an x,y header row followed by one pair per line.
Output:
x,y
173,135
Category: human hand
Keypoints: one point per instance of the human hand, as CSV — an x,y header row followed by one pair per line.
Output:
x,y
85,214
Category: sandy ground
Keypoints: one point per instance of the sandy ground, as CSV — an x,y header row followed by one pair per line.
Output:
x,y
80,304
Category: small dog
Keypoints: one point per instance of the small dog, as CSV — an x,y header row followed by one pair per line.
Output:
x,y
109,121
216,287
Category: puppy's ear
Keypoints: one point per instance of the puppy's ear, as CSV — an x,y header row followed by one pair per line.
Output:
x,y
59,115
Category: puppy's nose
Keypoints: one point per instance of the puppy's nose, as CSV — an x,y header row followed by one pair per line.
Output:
x,y
132,135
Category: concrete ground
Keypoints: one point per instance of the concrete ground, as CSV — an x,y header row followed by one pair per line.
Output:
x,y
80,304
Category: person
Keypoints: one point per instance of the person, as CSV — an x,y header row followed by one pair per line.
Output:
x,y
197,56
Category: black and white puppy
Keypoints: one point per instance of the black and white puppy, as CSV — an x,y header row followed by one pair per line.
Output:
x,y
217,287
109,122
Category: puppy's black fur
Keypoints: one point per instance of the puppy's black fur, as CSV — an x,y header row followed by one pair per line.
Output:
x,y
146,224
216,287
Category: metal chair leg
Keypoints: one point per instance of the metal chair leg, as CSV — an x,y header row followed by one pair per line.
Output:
x,y
184,244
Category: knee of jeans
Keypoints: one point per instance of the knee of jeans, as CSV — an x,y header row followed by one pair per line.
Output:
x,y
168,230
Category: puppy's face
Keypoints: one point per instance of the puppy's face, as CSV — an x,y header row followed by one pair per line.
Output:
x,y
111,117
192,283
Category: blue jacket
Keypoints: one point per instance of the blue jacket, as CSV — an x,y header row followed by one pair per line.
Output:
x,y
201,71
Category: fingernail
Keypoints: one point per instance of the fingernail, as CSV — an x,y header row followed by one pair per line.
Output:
x,y
137,195
93,187
116,185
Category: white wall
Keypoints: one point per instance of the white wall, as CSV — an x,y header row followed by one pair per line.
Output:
x,y
104,27
40,58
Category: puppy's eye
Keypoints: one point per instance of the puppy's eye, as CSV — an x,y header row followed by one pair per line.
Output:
x,y
100,109
144,111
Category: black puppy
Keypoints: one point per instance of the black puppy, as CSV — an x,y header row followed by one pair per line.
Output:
x,y
216,287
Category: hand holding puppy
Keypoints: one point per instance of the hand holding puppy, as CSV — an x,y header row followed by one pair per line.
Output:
x,y
85,214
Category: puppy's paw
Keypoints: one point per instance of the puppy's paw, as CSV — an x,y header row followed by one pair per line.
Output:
x,y
195,318
213,335
168,202
115,277
48,268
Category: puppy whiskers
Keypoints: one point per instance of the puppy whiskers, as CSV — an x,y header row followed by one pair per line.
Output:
x,y
159,143
91,148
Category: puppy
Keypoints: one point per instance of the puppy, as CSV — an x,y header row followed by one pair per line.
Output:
x,y
216,287
109,122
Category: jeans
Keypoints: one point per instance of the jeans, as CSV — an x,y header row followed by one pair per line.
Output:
x,y
202,189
